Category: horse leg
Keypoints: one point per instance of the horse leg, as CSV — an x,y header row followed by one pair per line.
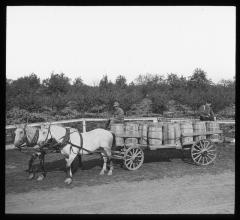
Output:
x,y
69,161
30,164
80,164
42,159
104,168
109,154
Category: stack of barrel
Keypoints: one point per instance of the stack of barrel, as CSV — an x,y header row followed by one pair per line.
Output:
x,y
212,126
158,135
118,130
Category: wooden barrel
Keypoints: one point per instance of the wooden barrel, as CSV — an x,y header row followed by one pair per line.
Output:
x,y
131,130
118,130
168,133
212,126
155,134
143,129
199,127
186,127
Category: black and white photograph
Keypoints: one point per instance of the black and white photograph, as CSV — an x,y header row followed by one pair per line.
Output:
x,y
120,109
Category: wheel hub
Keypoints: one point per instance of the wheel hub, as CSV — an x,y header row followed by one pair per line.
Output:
x,y
204,153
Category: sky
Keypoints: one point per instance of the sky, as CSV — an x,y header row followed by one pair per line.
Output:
x,y
90,42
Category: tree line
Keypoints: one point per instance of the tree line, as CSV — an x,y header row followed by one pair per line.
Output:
x,y
56,97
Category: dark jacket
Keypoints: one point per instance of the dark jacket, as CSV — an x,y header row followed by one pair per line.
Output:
x,y
118,115
206,111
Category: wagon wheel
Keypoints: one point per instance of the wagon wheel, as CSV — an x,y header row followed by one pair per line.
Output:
x,y
133,158
203,152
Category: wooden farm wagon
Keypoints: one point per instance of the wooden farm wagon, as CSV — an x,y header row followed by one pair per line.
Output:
x,y
200,140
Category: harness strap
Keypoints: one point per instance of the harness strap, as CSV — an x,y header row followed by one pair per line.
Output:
x,y
34,140
81,145
49,132
65,138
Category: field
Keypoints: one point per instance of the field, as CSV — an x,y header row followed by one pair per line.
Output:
x,y
164,184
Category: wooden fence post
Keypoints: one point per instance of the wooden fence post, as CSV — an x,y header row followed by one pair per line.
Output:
x,y
155,120
84,125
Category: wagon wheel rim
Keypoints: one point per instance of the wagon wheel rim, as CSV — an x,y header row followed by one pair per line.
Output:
x,y
204,152
133,158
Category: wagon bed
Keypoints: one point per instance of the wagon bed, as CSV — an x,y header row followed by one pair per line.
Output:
x,y
203,152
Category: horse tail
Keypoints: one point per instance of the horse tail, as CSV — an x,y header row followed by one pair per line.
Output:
x,y
114,140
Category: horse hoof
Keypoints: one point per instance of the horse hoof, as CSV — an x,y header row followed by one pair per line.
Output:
x,y
101,173
40,178
68,181
110,173
31,176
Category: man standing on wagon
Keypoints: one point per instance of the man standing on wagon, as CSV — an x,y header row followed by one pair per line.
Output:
x,y
206,112
118,115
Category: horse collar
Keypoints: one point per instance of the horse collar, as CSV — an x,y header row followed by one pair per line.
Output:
x,y
35,138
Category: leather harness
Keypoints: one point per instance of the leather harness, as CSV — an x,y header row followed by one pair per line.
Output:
x,y
34,140
66,140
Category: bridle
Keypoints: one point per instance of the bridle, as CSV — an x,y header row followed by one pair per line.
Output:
x,y
49,132
26,141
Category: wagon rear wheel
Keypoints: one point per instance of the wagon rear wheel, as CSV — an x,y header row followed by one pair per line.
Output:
x,y
133,158
203,152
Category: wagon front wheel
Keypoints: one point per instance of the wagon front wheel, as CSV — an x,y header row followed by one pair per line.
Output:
x,y
203,152
133,158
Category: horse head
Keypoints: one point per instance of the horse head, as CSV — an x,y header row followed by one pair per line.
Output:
x,y
44,134
20,135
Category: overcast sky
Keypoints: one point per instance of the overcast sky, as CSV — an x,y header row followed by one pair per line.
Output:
x,y
93,41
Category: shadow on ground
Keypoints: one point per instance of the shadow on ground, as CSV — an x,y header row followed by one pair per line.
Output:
x,y
157,164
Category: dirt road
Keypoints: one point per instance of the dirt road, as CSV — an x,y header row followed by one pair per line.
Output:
x,y
206,193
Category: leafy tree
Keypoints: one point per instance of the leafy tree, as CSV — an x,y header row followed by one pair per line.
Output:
x,y
25,85
199,80
57,83
121,82
78,82
52,98
175,82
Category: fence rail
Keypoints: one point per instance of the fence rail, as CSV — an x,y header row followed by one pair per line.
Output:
x,y
9,128
84,120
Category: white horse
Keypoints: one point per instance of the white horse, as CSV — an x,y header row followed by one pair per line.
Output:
x,y
73,143
28,136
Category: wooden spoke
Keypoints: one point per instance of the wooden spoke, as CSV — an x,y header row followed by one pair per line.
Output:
x,y
206,144
203,157
207,156
196,153
139,154
210,154
198,156
201,144
210,147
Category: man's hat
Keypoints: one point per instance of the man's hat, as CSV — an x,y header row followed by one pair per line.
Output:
x,y
115,104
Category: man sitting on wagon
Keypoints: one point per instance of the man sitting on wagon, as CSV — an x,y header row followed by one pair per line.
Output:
x,y
206,112
118,115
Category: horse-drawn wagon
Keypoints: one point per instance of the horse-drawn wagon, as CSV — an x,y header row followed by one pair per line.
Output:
x,y
196,137
131,140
